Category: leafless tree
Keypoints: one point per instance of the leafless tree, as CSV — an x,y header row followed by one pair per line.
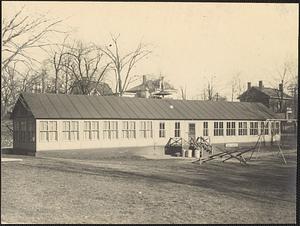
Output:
x,y
20,35
133,79
203,95
292,86
8,88
57,65
13,83
58,60
287,77
236,86
85,64
66,79
209,91
122,65
183,93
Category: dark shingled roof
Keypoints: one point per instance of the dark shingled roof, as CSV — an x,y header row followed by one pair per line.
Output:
x,y
102,88
271,92
56,106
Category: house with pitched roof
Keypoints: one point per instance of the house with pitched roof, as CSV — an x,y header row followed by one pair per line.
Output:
x,y
275,99
153,88
90,87
48,122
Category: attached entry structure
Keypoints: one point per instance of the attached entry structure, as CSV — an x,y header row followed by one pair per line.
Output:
x,y
45,122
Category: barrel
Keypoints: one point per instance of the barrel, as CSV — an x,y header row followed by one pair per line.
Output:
x,y
183,152
190,153
186,153
197,154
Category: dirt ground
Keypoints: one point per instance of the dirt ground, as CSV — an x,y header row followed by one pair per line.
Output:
x,y
140,190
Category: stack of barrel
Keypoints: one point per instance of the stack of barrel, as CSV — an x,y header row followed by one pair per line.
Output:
x,y
189,153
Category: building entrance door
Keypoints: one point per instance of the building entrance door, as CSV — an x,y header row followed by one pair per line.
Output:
x,y
192,131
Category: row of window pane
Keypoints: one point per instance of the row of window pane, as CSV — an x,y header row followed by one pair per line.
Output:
x,y
70,129
242,128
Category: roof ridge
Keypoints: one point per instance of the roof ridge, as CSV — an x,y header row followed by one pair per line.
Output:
x,y
110,107
155,99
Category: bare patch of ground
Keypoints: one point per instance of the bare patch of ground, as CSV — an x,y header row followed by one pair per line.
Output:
x,y
140,190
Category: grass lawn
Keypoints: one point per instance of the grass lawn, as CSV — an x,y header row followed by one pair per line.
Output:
x,y
139,190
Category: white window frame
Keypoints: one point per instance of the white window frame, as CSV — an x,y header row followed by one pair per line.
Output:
x,y
50,131
230,129
253,128
264,128
218,129
177,129
70,132
162,130
267,128
91,130
205,129
275,127
243,131
110,130
129,129
146,129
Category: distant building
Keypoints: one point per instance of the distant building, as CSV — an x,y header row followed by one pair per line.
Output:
x,y
91,87
275,99
156,88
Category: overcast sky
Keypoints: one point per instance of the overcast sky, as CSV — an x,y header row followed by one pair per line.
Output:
x,y
190,41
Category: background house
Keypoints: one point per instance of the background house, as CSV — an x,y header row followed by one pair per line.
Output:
x,y
90,87
275,99
153,88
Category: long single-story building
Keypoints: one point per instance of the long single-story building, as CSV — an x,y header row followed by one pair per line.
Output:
x,y
44,122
